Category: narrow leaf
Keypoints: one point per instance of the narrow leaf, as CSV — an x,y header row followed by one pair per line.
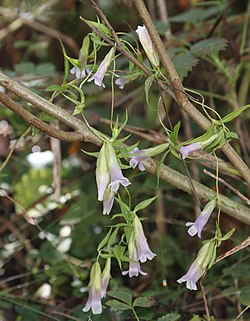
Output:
x,y
144,204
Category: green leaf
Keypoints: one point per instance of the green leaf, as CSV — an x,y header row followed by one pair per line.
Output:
x,y
207,47
245,295
118,252
228,235
113,236
118,305
50,254
234,114
174,135
105,240
144,302
66,64
123,296
195,15
174,316
144,204
100,27
147,86
184,63
53,88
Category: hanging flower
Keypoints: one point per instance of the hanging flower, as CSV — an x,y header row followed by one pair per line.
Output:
x,y
101,71
148,46
108,176
201,221
144,252
204,260
134,265
95,290
121,82
105,277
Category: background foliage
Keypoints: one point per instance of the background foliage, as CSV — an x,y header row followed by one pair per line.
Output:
x,y
47,247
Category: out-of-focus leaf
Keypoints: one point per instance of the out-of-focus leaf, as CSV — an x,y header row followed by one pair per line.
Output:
x,y
184,63
115,304
195,15
207,47
234,114
122,296
174,316
144,302
50,254
245,295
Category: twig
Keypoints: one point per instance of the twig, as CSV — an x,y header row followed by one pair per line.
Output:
x,y
202,282
235,249
243,197
56,149
164,17
36,122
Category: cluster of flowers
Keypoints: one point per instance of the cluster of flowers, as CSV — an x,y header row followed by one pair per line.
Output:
x,y
80,70
109,176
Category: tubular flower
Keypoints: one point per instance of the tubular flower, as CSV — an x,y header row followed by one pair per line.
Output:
x,y
143,249
204,260
138,156
95,290
108,176
147,45
201,221
189,149
137,159
101,71
105,277
121,82
134,265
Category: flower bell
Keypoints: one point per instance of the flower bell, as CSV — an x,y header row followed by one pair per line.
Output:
x,y
134,265
95,290
144,252
105,277
204,260
108,176
147,45
201,221
101,71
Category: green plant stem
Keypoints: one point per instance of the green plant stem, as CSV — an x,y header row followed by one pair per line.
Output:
x,y
136,316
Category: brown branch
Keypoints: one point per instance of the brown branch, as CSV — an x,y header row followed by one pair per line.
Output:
x,y
235,249
180,181
236,191
39,124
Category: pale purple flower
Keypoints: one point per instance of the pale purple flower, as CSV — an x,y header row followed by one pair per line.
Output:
x,y
101,71
105,277
147,45
116,176
108,201
80,73
95,290
203,261
192,276
143,249
121,82
134,265
201,221
138,159
189,149
108,176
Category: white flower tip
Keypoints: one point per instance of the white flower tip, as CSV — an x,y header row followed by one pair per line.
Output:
x,y
192,230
